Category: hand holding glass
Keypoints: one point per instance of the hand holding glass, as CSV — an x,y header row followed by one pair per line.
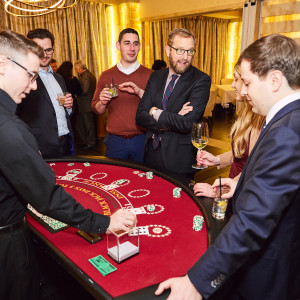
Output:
x,y
199,137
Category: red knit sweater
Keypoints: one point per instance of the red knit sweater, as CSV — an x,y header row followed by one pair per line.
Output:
x,y
122,109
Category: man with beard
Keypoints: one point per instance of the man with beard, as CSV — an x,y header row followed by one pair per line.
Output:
x,y
48,121
169,117
125,138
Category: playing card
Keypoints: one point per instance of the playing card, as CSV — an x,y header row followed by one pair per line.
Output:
x,y
143,230
109,187
137,210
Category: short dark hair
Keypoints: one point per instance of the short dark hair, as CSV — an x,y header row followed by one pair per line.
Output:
x,y
274,52
159,64
41,33
127,30
53,61
65,70
13,44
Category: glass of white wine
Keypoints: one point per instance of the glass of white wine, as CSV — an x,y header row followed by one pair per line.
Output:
x,y
199,137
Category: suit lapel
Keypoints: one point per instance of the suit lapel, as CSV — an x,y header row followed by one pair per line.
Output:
x,y
43,91
285,110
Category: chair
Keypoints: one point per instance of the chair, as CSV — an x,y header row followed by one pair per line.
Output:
x,y
210,107
226,81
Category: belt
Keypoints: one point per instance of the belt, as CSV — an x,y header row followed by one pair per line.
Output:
x,y
129,136
62,137
13,227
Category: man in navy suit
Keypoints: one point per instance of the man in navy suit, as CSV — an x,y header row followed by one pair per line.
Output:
x,y
169,125
257,255
48,121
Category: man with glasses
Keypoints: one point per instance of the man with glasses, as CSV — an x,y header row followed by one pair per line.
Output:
x,y
26,178
48,121
174,98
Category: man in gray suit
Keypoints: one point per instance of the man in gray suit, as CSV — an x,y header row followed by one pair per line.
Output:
x,y
86,125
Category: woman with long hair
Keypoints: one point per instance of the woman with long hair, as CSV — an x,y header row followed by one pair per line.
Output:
x,y
244,134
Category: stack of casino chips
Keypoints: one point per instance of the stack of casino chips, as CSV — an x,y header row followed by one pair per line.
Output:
x,y
198,223
149,175
151,207
177,192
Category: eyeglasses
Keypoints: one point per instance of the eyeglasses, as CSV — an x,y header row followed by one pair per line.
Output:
x,y
49,51
190,52
33,76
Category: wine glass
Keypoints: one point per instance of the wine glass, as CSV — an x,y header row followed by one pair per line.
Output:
x,y
199,137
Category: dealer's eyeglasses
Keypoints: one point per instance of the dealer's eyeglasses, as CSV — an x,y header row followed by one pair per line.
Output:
x,y
190,52
32,75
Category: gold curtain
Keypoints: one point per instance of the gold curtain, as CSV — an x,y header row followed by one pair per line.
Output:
x,y
233,47
80,33
119,17
211,42
281,16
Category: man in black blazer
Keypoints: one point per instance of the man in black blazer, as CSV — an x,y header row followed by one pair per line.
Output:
x,y
172,124
258,252
48,121
85,122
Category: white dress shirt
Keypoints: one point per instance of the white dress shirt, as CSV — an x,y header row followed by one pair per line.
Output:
x,y
53,88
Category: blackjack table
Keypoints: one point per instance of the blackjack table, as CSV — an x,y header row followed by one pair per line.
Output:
x,y
170,246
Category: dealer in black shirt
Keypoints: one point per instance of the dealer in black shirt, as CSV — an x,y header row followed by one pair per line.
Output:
x,y
26,178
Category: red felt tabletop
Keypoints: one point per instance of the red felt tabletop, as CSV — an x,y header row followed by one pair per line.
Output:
x,y
167,254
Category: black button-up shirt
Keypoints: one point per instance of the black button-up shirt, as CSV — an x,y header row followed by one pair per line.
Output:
x,y
26,178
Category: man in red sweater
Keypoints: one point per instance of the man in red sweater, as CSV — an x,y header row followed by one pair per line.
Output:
x,y
125,138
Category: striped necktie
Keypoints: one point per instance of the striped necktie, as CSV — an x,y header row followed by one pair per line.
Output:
x,y
167,94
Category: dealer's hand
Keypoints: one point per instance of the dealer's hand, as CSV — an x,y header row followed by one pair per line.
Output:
x,y
122,220
181,289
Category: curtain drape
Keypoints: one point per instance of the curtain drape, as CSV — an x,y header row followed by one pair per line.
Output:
x,y
211,42
80,33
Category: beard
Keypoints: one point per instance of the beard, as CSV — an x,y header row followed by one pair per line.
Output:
x,y
45,62
176,68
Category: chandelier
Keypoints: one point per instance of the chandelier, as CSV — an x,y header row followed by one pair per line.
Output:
x,y
34,8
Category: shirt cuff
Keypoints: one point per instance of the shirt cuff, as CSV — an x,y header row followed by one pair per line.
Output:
x,y
157,114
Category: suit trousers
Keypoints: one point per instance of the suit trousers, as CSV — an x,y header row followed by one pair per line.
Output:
x,y
20,278
86,128
154,159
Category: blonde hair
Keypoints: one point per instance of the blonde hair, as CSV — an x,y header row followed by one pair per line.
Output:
x,y
241,129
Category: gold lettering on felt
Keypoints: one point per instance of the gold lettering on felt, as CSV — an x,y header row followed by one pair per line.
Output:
x,y
104,205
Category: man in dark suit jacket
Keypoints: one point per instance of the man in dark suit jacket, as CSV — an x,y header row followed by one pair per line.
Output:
x,y
186,104
258,252
85,123
48,121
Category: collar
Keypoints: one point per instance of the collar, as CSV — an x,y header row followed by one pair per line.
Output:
x,y
129,70
48,71
280,104
171,72
7,102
